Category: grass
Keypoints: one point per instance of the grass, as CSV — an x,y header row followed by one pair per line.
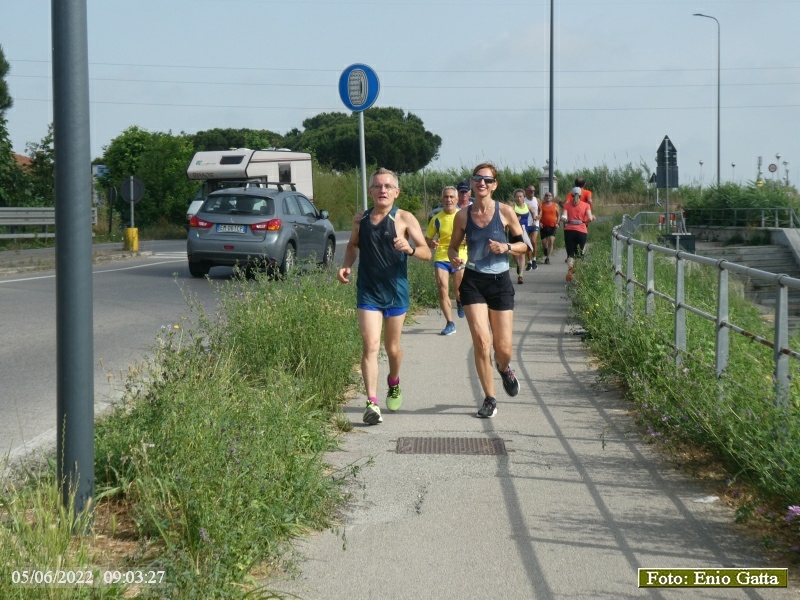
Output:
x,y
213,461
733,420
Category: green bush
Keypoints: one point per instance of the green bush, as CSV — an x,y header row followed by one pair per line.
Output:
x,y
734,417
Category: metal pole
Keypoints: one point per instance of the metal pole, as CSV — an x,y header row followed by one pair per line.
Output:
x,y
73,197
130,183
550,149
363,156
719,106
719,70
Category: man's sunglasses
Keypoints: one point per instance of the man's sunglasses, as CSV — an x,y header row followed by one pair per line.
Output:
x,y
486,180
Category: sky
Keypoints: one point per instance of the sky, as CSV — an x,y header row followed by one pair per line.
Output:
x,y
626,74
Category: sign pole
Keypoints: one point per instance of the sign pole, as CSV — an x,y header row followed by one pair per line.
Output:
x,y
130,182
363,156
358,89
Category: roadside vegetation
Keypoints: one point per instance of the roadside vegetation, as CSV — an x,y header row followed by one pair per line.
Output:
x,y
731,426
213,461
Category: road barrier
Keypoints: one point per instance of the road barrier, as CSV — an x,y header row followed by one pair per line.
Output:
x,y
16,222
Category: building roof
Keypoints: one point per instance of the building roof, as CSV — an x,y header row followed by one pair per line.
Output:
x,y
23,162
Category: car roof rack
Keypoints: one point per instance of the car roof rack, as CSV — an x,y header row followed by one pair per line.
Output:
x,y
257,183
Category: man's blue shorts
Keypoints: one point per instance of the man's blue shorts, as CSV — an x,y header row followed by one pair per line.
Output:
x,y
387,312
444,266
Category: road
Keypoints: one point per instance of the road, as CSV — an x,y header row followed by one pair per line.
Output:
x,y
133,300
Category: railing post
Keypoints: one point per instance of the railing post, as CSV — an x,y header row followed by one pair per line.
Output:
x,y
618,264
723,348
781,341
631,288
680,312
650,299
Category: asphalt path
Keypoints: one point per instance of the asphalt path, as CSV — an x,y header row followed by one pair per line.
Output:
x,y
134,298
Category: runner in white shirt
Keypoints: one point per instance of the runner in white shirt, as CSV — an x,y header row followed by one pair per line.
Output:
x,y
533,230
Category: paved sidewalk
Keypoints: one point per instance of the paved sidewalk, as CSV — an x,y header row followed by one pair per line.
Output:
x,y
577,505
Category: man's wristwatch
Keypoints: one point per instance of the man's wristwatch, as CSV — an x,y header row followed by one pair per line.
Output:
x,y
509,247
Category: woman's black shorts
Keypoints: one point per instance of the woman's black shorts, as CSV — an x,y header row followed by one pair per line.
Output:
x,y
496,291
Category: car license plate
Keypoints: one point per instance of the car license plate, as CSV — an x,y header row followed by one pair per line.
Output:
x,y
231,228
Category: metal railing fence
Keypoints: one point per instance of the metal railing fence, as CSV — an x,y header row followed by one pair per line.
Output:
x,y
742,217
627,285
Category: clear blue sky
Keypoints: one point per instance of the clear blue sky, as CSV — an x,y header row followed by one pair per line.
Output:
x,y
628,72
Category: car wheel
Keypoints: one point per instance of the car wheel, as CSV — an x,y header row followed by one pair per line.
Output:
x,y
289,258
327,257
198,269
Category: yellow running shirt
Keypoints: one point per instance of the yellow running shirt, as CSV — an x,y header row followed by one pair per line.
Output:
x,y
441,228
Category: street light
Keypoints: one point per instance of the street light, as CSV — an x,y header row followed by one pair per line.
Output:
x,y
733,172
701,175
718,86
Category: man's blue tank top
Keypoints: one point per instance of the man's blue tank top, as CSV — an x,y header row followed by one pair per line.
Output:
x,y
481,259
382,270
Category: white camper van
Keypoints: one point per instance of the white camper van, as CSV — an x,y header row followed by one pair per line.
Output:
x,y
227,168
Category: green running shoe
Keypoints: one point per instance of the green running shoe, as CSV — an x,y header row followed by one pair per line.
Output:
x,y
394,398
372,414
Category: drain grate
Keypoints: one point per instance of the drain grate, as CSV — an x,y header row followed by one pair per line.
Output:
x,y
451,445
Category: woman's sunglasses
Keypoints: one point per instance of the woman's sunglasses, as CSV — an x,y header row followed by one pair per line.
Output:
x,y
486,180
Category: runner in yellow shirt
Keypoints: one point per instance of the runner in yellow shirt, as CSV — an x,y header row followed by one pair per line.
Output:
x,y
438,234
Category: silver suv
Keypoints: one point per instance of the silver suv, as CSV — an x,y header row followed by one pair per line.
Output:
x,y
258,227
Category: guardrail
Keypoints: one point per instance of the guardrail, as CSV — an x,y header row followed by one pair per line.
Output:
x,y
742,217
627,285
15,222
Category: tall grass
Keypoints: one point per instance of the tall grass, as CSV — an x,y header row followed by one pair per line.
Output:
x,y
219,447
39,533
733,417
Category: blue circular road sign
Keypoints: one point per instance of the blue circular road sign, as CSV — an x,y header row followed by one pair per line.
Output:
x,y
358,87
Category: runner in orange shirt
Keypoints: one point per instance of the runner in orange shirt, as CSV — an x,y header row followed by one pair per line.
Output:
x,y
548,223
578,214
586,195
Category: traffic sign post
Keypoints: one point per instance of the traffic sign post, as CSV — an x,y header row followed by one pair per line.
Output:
x,y
358,89
132,190
666,170
667,177
112,200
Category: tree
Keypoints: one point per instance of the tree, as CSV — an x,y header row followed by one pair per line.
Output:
x,y
225,139
41,173
6,101
13,181
393,139
159,160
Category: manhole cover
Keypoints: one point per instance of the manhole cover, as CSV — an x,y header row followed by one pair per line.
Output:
x,y
451,445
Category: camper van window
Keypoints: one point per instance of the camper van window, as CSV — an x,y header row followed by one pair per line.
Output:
x,y
231,160
284,172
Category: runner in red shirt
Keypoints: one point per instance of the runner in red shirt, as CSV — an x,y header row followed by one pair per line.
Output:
x,y
576,215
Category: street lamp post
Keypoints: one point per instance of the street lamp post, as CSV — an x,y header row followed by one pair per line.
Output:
x,y
718,89
701,175
786,171
733,172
